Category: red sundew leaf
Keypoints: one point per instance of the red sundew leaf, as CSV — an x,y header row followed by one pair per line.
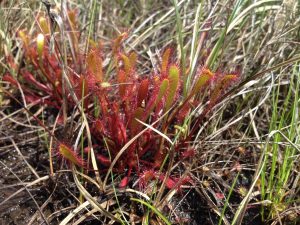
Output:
x,y
148,175
123,134
124,182
131,157
165,60
203,80
126,64
60,120
53,62
94,64
133,60
32,54
142,92
131,91
103,160
148,146
173,76
170,183
146,137
31,98
90,83
10,79
181,115
221,86
51,68
176,182
184,180
220,195
103,103
117,42
135,125
99,128
31,79
70,155
87,150
159,156
205,76
11,62
118,130
189,153
121,81
145,177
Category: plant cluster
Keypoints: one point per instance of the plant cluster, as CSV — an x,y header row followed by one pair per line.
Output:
x,y
150,110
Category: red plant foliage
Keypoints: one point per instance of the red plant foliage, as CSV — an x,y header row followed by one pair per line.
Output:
x,y
121,97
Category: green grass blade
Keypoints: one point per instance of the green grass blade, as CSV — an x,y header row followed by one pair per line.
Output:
x,y
155,210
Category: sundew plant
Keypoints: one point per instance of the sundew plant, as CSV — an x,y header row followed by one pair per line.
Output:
x,y
149,112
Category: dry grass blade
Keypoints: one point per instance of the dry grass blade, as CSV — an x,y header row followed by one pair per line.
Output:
x,y
73,213
93,201
82,218
90,179
156,131
237,20
152,29
146,197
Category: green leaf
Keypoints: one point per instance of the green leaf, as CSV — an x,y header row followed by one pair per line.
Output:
x,y
155,210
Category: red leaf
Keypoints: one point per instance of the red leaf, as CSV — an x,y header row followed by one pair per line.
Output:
x,y
220,195
143,92
103,160
31,79
124,182
70,155
188,153
170,183
10,79
121,83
